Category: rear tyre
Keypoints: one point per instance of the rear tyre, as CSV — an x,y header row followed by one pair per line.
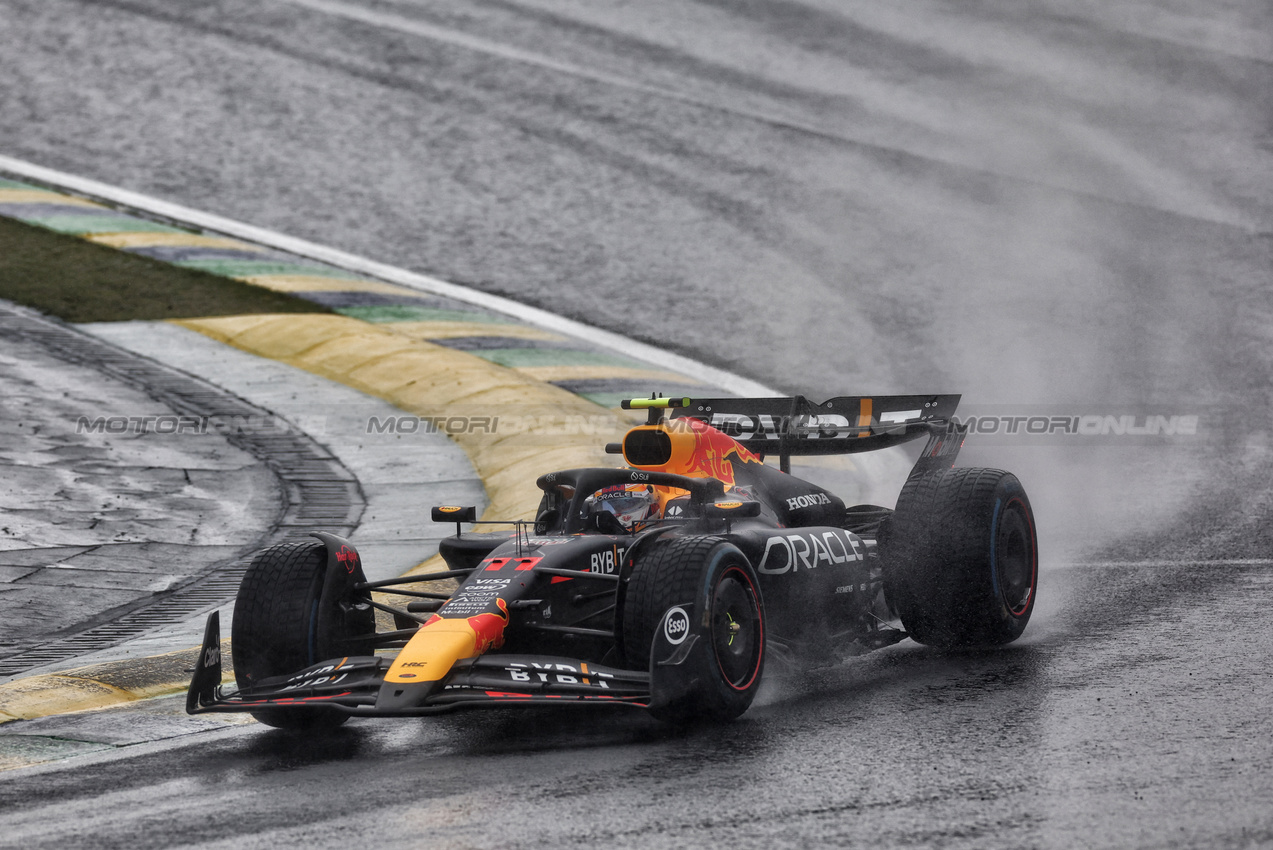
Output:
x,y
961,563
716,585
276,629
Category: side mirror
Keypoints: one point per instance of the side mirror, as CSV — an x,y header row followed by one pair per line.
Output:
x,y
455,513
731,509
547,521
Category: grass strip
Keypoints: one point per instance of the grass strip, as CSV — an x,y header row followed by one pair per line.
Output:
x,y
80,281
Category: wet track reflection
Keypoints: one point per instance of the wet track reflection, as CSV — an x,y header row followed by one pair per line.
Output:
x,y
1066,738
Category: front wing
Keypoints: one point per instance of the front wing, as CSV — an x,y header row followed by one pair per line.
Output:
x,y
356,685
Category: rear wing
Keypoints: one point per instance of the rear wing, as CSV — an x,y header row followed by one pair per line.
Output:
x,y
795,426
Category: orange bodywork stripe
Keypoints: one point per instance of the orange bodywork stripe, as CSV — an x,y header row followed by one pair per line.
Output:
x,y
864,416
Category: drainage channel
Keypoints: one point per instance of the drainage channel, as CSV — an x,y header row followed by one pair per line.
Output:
x,y
319,492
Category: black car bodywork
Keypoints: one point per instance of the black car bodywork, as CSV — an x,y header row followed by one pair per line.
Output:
x,y
678,616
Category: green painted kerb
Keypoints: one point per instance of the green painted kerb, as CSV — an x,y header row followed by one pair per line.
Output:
x,y
254,268
73,224
522,357
408,313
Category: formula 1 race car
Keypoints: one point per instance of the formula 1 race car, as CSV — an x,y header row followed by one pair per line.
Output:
x,y
664,585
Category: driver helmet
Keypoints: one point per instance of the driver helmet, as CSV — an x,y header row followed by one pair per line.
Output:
x,y
631,504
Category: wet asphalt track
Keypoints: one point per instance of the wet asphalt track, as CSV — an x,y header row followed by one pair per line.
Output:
x,y
1092,733
1061,204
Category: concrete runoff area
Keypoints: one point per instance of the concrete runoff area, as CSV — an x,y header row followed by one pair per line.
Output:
x,y
94,521
394,533
54,737
401,475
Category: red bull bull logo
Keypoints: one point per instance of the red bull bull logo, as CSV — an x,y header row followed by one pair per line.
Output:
x,y
349,558
489,627
688,447
715,453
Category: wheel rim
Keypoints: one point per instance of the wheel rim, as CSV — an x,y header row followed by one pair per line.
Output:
x,y
737,630
1015,561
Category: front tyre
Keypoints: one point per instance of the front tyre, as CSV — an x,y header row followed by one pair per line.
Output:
x,y
961,562
714,588
278,628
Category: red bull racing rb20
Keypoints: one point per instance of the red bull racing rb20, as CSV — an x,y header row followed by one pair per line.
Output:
x,y
665,585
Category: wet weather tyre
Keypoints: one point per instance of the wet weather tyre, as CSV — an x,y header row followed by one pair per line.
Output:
x,y
276,627
717,586
960,558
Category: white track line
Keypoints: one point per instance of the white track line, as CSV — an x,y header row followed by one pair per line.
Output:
x,y
444,35
710,375
421,29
